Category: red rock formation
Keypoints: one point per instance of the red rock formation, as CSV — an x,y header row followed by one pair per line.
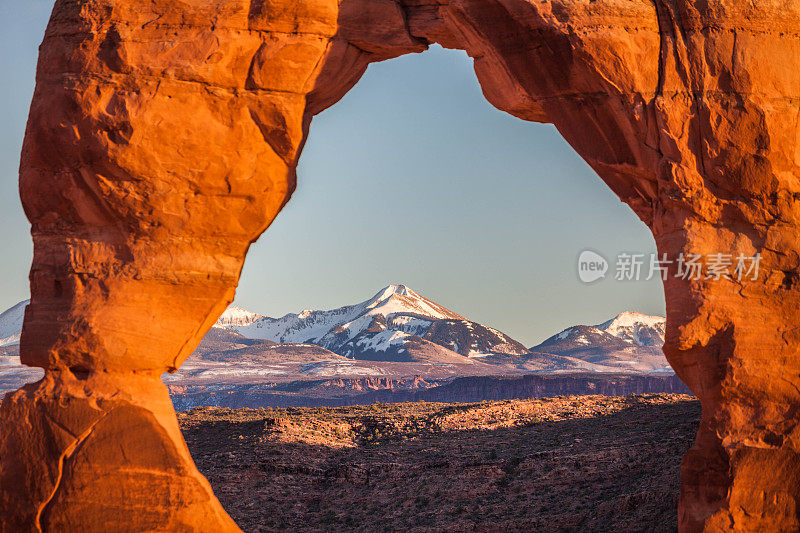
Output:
x,y
163,139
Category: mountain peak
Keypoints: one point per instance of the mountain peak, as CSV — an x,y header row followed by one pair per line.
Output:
x,y
236,316
404,300
336,328
637,328
631,318
399,289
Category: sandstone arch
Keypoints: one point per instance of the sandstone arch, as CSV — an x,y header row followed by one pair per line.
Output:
x,y
163,139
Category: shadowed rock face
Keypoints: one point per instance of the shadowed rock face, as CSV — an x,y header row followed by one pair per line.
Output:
x,y
163,140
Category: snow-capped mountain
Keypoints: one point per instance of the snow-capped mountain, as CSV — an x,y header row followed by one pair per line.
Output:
x,y
320,327
630,341
11,324
236,317
636,328
395,333
397,324
472,339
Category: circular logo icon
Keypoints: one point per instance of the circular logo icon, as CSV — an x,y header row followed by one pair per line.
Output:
x,y
591,266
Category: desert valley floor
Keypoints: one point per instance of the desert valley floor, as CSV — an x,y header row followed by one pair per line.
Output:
x,y
572,463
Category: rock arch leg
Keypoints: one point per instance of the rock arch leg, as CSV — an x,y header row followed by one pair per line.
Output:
x,y
674,106
162,141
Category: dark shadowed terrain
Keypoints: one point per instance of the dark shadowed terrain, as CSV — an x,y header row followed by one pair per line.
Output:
x,y
589,463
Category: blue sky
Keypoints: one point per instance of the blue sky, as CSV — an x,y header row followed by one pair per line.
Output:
x,y
412,178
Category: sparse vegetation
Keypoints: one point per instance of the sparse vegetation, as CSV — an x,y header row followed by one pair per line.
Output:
x,y
567,463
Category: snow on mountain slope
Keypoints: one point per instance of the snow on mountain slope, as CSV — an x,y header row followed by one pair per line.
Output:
x,y
395,324
472,339
400,347
236,316
410,324
11,324
639,329
630,341
581,338
342,324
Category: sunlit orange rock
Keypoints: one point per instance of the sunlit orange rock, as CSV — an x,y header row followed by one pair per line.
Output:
x,y
164,137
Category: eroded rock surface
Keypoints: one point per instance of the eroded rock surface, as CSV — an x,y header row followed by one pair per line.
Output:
x,y
163,140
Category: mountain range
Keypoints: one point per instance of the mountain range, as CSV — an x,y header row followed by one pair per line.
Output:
x,y
396,334
629,340
397,324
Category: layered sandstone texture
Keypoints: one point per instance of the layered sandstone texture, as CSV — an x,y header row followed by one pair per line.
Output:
x,y
164,137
